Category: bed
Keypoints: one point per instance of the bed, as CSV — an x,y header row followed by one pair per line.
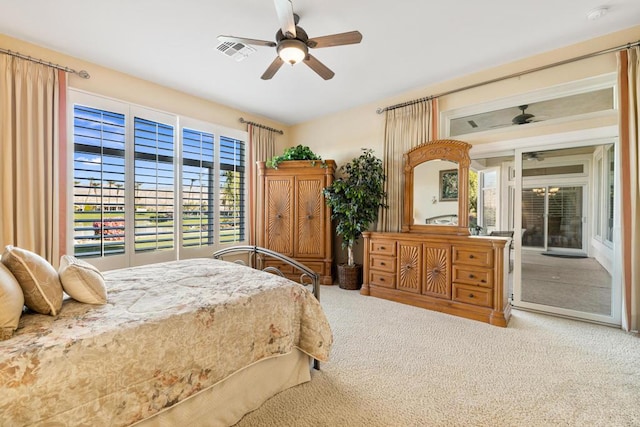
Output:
x,y
199,342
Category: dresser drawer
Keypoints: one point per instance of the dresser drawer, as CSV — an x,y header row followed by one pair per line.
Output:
x,y
477,276
387,280
383,247
383,263
475,295
473,255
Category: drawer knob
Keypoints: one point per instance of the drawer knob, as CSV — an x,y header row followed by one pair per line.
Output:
x,y
382,263
408,266
309,216
436,271
471,296
382,279
382,248
483,281
471,276
471,256
279,216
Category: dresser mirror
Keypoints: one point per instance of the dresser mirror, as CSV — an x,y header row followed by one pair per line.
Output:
x,y
436,188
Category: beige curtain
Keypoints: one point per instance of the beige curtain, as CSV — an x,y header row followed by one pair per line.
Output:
x,y
405,128
262,147
29,180
629,84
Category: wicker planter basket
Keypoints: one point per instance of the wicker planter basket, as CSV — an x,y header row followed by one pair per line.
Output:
x,y
350,277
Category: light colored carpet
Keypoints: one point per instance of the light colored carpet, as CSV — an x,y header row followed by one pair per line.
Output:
x,y
397,365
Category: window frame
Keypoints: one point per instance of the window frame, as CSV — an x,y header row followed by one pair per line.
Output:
x,y
178,122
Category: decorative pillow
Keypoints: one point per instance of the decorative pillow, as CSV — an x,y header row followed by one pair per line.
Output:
x,y
11,303
38,279
82,281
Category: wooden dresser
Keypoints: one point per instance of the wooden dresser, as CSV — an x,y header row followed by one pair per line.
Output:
x,y
293,218
461,275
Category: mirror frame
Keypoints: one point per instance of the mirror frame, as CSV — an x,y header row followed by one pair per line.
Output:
x,y
441,149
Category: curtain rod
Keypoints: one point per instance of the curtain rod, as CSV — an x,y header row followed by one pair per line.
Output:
x,y
81,73
518,74
261,126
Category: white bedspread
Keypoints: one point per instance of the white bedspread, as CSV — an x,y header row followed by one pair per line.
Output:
x,y
168,331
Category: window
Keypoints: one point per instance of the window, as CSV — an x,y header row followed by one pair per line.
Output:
x,y
98,176
488,181
144,192
231,190
603,193
154,176
610,191
197,188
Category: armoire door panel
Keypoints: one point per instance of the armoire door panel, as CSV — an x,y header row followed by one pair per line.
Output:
x,y
279,220
437,271
293,217
409,267
309,218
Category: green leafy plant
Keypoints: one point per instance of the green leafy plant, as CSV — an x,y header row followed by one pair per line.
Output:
x,y
299,152
356,198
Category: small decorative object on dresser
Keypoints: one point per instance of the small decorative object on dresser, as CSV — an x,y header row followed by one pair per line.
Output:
x,y
355,199
439,266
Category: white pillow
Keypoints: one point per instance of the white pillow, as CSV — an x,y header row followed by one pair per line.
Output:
x,y
11,303
38,279
82,281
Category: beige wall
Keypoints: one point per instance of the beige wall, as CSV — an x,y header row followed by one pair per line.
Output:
x,y
363,127
113,84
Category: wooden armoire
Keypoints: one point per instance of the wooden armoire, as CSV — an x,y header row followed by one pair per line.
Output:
x,y
292,216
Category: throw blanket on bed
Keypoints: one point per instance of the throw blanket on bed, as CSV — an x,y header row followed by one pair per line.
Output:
x,y
168,331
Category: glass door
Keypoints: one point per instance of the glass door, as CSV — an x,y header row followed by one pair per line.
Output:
x,y
552,218
564,262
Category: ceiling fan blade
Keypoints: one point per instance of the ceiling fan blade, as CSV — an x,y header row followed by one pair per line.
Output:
x,y
272,69
319,67
284,9
351,37
246,41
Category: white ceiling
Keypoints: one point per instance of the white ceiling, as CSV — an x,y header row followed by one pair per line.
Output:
x,y
407,44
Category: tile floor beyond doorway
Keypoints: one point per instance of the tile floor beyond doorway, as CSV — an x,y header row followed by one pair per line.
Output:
x,y
580,284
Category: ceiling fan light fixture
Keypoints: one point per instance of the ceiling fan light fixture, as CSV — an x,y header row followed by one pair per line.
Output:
x,y
292,51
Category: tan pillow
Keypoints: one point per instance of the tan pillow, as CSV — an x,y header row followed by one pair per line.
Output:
x,y
11,303
82,281
38,279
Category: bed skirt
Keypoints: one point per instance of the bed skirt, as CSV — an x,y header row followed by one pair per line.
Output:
x,y
226,402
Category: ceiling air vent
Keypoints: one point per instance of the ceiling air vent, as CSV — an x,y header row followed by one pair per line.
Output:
x,y
235,50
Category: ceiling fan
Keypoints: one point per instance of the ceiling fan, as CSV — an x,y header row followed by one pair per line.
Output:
x,y
524,117
533,156
293,44
521,119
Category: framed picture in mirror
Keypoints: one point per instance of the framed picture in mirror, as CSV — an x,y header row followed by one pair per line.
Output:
x,y
449,185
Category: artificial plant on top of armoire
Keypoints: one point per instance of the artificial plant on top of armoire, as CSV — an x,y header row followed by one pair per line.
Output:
x,y
355,199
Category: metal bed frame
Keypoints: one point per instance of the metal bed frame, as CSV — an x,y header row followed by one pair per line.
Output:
x,y
256,255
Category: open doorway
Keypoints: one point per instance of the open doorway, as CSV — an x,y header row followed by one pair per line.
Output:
x,y
560,205
566,217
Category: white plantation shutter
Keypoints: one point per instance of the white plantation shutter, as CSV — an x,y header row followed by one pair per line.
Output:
x,y
232,190
99,181
154,174
197,188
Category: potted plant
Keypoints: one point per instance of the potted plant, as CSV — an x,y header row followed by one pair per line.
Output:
x,y
299,152
355,199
